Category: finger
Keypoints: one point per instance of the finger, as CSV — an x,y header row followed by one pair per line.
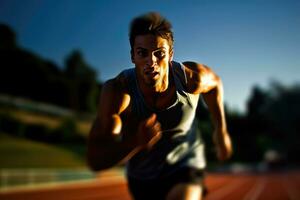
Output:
x,y
157,127
154,140
150,121
116,124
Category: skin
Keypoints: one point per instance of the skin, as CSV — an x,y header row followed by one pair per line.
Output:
x,y
151,56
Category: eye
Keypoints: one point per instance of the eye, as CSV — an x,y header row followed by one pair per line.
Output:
x,y
160,54
142,53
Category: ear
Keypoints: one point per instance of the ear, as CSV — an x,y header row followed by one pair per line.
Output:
x,y
132,55
171,55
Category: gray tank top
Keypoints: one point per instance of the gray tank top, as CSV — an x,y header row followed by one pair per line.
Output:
x,y
181,144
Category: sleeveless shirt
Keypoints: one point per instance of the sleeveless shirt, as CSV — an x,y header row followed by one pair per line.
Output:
x,y
181,144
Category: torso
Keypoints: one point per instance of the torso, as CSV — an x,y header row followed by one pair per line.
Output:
x,y
175,111
163,100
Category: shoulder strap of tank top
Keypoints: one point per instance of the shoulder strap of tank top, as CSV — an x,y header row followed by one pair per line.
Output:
x,y
180,79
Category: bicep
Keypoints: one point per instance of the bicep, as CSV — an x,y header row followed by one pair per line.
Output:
x,y
200,78
112,102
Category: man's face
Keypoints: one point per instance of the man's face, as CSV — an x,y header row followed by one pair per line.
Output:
x,y
151,56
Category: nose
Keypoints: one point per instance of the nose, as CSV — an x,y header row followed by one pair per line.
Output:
x,y
152,60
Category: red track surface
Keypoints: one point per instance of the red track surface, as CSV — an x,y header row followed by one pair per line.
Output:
x,y
266,186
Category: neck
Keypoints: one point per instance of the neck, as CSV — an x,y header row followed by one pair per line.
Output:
x,y
162,96
159,88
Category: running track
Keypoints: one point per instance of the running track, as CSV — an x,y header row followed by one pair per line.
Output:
x,y
263,186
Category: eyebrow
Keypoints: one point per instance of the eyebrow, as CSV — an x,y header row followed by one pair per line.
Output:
x,y
160,48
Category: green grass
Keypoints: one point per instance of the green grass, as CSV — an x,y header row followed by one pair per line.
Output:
x,y
51,122
23,153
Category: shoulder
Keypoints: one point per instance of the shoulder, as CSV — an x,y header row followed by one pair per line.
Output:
x,y
115,95
117,84
199,76
194,67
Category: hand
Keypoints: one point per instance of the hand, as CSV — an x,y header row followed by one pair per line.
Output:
x,y
149,132
116,125
223,144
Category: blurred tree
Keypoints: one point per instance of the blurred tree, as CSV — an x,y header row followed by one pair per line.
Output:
x,y
257,103
7,37
22,72
83,84
283,112
26,74
273,120
257,126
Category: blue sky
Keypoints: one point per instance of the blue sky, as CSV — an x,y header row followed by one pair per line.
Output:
x,y
246,42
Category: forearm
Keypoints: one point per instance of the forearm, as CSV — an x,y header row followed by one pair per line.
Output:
x,y
214,102
107,152
109,145
113,140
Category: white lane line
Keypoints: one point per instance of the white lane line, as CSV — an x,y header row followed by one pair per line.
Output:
x,y
256,190
291,189
226,189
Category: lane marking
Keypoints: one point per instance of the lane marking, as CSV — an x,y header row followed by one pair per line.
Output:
x,y
256,190
227,189
291,188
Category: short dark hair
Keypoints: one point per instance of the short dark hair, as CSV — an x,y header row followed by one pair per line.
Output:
x,y
151,23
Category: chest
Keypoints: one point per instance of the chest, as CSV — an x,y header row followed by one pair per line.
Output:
x,y
160,101
177,117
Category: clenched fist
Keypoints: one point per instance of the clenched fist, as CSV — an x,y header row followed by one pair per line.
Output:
x,y
223,144
149,132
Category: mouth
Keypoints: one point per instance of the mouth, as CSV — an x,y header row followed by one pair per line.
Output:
x,y
151,74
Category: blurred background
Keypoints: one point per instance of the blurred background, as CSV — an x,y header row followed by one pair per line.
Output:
x,y
55,56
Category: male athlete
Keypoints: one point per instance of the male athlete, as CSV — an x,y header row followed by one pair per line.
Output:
x,y
146,117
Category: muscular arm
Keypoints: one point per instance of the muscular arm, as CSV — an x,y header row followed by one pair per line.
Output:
x,y
201,79
108,142
103,149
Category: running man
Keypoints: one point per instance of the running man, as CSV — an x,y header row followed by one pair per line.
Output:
x,y
146,117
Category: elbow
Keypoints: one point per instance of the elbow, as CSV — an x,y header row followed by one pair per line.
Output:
x,y
98,160
96,167
92,164
97,163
